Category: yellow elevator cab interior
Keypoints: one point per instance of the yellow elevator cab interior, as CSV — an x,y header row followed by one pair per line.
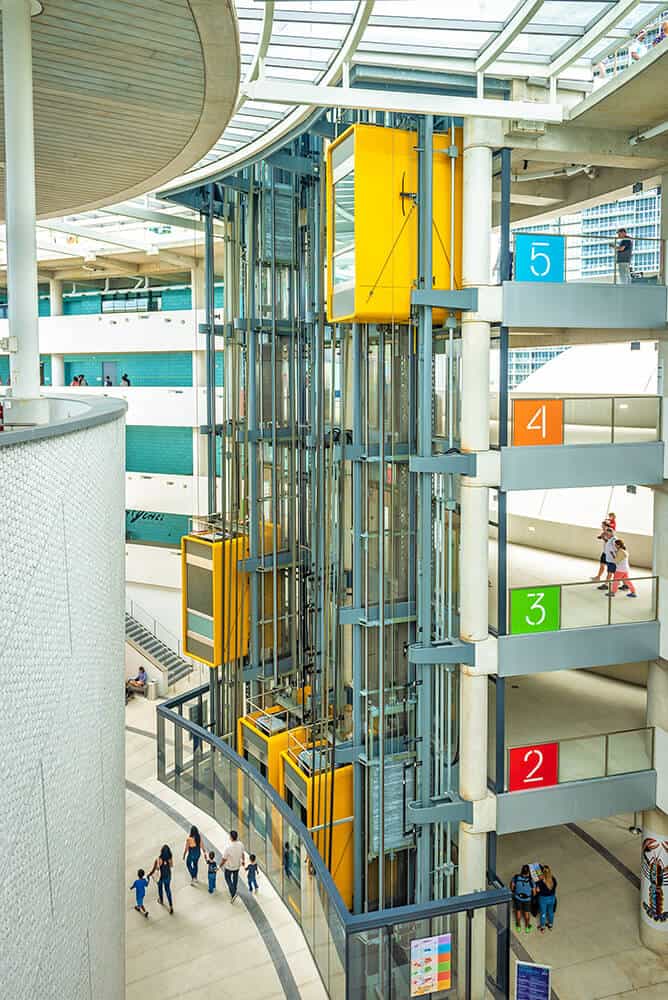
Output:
x,y
216,596
372,222
322,799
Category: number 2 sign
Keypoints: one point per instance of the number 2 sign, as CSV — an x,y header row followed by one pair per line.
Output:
x,y
533,767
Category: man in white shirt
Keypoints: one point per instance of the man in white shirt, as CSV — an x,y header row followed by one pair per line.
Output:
x,y
233,859
638,47
610,550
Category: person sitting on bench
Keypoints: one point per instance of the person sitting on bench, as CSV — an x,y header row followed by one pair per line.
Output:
x,y
137,683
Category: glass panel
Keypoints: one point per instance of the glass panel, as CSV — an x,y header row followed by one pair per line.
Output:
x,y
321,932
337,956
636,419
641,609
366,973
344,212
400,955
588,421
631,751
582,606
583,758
225,793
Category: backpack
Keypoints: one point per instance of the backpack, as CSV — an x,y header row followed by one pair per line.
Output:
x,y
523,888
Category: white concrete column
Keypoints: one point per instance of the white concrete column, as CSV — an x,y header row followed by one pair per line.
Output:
x,y
474,530
56,296
197,283
20,210
57,369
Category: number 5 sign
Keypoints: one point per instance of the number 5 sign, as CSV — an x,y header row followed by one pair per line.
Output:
x,y
538,421
533,767
539,257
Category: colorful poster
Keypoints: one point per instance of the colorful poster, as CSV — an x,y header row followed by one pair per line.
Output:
x,y
431,965
654,881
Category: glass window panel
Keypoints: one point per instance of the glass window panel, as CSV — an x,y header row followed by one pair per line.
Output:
x,y
583,605
582,758
641,609
631,751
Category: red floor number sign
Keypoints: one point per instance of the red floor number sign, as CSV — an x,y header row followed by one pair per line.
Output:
x,y
533,767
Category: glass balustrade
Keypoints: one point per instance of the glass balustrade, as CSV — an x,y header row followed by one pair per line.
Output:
x,y
359,957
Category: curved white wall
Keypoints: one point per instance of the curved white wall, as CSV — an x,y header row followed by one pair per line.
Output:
x,y
62,892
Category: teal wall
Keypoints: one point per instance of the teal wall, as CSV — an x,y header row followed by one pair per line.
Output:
x,y
89,305
45,359
164,451
154,527
165,368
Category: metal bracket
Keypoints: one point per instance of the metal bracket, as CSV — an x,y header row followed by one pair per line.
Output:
x,y
454,651
218,329
454,810
460,300
460,463
264,563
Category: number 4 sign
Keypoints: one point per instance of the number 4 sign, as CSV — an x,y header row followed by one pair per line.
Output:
x,y
533,767
538,421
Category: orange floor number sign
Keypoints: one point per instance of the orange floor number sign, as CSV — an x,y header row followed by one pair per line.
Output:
x,y
538,421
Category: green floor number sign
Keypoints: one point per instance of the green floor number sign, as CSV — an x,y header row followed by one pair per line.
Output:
x,y
534,609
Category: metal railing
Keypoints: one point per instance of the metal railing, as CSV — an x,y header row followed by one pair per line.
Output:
x,y
584,257
358,956
621,55
564,420
555,607
152,625
602,755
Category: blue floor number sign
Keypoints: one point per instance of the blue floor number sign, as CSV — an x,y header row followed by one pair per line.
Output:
x,y
539,257
532,982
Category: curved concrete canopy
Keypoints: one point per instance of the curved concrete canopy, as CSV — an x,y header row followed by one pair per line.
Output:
x,y
126,95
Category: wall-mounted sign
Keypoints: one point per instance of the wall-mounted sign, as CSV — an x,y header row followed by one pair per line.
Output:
x,y
539,257
538,421
535,609
654,881
533,767
532,982
431,965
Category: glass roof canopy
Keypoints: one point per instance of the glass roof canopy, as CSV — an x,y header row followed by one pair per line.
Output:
x,y
301,40
315,41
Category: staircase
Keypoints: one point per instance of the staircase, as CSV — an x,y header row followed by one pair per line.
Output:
x,y
156,643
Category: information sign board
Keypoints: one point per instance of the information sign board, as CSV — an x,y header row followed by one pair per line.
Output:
x,y
431,965
532,982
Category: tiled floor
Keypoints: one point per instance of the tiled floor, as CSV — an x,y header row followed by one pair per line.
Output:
x,y
209,949
594,949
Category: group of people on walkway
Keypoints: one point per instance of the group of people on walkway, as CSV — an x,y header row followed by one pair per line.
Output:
x,y
534,892
613,561
233,859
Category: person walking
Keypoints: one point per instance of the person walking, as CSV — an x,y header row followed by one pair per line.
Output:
x,y
251,874
523,891
623,247
546,890
140,886
233,858
603,537
125,380
212,869
163,865
191,853
622,569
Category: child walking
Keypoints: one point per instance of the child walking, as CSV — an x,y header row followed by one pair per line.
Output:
x,y
140,886
212,867
622,569
251,872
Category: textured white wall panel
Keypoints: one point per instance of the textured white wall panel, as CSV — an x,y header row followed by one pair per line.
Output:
x,y
62,893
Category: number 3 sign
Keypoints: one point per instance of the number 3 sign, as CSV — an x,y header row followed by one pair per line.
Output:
x,y
533,767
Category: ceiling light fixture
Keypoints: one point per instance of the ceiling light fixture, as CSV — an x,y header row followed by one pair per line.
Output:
x,y
650,133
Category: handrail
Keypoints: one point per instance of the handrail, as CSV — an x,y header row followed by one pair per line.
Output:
x,y
586,736
352,923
